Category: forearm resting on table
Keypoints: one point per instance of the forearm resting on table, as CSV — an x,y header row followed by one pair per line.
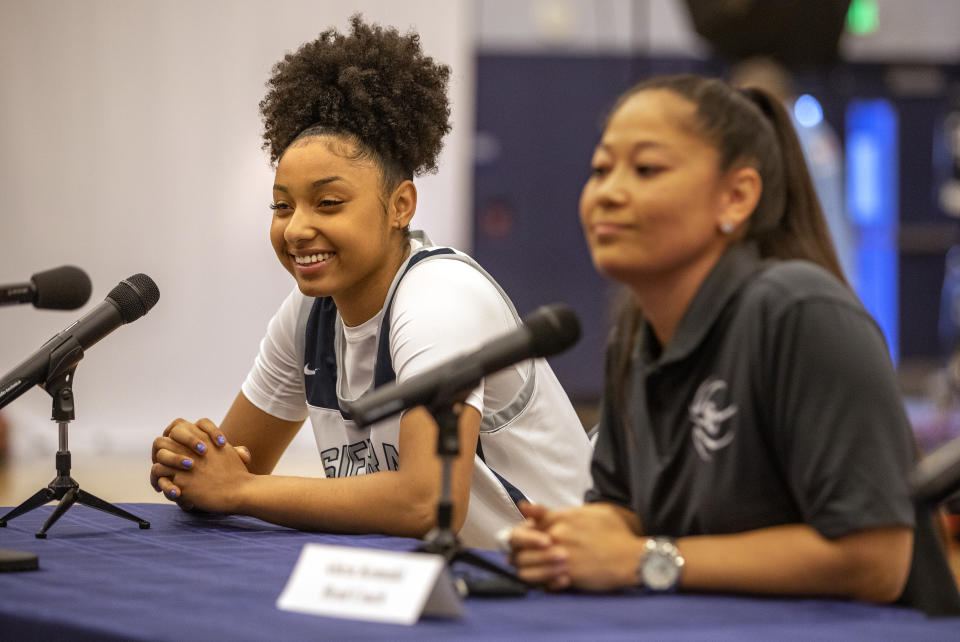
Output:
x,y
794,559
397,502
378,502
265,436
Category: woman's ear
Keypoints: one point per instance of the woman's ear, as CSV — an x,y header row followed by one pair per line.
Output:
x,y
741,193
403,204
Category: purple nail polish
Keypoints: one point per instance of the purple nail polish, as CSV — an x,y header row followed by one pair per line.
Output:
x,y
221,440
201,448
187,462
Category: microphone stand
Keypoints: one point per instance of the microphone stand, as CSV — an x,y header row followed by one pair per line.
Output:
x,y
442,540
63,363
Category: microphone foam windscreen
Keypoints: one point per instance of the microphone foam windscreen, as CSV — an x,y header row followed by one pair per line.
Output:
x,y
135,296
554,328
62,288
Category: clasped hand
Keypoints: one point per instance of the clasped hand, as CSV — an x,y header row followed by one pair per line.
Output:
x,y
590,547
194,465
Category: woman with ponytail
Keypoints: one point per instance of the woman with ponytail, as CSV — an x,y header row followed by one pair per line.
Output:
x,y
752,437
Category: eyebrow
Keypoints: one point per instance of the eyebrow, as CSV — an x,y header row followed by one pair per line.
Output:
x,y
643,144
315,184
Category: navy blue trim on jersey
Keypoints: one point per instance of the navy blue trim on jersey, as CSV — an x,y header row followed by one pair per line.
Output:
x,y
320,360
383,367
320,371
515,493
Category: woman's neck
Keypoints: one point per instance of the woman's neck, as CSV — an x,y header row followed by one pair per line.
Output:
x,y
364,301
665,298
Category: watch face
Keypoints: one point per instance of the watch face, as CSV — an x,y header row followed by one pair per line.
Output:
x,y
659,572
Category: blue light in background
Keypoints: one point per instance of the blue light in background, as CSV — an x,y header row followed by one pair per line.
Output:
x,y
864,188
873,205
807,111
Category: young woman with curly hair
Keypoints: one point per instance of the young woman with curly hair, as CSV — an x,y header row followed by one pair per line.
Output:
x,y
349,121
753,438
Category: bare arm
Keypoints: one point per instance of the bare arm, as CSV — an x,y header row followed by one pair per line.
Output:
x,y
401,502
596,548
870,565
265,436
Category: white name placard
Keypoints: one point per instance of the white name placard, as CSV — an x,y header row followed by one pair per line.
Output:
x,y
368,584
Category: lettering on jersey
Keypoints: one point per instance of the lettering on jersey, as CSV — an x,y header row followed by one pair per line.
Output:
x,y
351,460
329,458
391,456
372,463
710,434
358,458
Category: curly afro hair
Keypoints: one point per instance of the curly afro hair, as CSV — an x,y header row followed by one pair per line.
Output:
x,y
374,85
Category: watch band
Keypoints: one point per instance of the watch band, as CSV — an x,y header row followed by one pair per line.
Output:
x,y
660,565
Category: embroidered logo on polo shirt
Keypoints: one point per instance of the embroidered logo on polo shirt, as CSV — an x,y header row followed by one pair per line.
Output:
x,y
709,432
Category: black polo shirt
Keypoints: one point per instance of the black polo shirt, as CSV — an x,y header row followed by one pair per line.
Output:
x,y
774,403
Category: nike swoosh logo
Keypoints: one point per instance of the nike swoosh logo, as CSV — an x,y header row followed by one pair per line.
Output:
x,y
307,371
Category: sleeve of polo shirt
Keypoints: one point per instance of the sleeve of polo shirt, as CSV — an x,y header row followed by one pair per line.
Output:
x,y
611,482
839,426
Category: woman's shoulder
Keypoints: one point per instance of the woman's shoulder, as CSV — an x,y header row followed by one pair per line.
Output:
x,y
444,307
449,287
784,288
445,275
796,281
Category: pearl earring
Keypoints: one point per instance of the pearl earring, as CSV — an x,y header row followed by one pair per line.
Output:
x,y
727,227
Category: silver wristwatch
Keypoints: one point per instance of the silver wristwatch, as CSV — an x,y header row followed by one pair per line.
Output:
x,y
660,565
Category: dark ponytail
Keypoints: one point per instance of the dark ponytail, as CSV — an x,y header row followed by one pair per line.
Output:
x,y
802,232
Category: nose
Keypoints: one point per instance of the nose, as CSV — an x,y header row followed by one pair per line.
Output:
x,y
609,190
300,226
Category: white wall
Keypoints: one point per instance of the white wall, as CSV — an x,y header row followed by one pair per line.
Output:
x,y
130,142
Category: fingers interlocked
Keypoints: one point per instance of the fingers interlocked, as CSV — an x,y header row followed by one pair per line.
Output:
x,y
178,450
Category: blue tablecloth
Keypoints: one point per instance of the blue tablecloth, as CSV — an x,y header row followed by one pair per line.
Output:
x,y
216,578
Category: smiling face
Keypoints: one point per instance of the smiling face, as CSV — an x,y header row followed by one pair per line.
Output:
x,y
334,229
655,200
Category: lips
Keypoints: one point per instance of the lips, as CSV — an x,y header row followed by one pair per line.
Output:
x,y
607,228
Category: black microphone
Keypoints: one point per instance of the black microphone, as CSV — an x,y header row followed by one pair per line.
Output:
x,y
128,301
937,476
62,288
546,331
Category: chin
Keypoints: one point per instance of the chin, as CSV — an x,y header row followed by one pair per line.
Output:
x,y
617,270
312,289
